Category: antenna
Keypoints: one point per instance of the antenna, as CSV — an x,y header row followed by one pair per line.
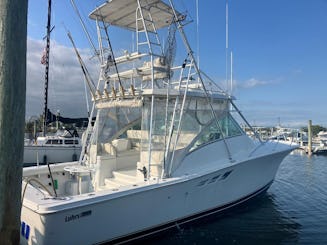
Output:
x,y
197,32
226,54
231,72
226,24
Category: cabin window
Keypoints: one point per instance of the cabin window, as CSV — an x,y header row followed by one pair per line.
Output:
x,y
54,142
71,142
113,123
176,127
226,127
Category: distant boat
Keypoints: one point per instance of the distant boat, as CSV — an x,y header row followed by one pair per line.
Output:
x,y
62,147
288,135
319,145
165,148
322,137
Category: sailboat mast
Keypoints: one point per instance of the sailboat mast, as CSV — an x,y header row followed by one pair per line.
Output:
x,y
47,51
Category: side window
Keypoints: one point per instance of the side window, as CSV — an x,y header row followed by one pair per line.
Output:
x,y
68,142
54,142
209,134
71,142
228,127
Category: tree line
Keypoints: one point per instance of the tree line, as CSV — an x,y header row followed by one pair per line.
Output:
x,y
315,129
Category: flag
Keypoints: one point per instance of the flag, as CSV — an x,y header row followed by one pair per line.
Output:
x,y
44,57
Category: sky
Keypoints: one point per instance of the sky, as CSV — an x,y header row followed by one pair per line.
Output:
x,y
279,56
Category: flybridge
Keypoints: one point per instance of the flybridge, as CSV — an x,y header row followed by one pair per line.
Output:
x,y
121,13
150,65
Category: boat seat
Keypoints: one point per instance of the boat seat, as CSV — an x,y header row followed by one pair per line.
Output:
x,y
117,145
121,144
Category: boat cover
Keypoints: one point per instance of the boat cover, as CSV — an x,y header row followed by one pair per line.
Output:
x,y
122,13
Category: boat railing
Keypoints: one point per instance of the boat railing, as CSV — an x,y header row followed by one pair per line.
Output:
x,y
41,188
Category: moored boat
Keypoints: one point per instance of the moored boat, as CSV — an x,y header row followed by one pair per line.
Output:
x,y
62,147
165,148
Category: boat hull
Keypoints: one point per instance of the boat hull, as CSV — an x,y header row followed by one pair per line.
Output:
x,y
51,154
102,218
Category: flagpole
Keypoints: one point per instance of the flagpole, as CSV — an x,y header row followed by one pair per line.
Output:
x,y
45,112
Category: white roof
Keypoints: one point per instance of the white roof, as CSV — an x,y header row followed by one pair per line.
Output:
x,y
122,13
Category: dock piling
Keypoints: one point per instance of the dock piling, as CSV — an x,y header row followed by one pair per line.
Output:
x,y
13,36
310,138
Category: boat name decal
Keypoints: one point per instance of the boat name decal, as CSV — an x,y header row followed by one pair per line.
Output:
x,y
73,217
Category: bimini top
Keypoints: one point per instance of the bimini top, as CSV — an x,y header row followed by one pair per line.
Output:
x,y
122,13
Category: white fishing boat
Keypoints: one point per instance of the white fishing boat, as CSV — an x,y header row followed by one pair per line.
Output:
x,y
61,147
164,150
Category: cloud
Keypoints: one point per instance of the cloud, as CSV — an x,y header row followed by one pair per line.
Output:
x,y
297,71
66,91
253,82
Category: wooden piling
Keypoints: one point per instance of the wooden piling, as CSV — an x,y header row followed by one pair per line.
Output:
x,y
13,33
310,138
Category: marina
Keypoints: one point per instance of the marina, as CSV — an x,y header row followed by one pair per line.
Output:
x,y
308,142
166,154
165,148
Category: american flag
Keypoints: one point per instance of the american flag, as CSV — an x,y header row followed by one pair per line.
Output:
x,y
44,57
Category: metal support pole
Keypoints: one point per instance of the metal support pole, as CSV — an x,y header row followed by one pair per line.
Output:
x,y
13,33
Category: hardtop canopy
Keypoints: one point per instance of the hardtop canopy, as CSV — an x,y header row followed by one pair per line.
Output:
x,y
122,13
